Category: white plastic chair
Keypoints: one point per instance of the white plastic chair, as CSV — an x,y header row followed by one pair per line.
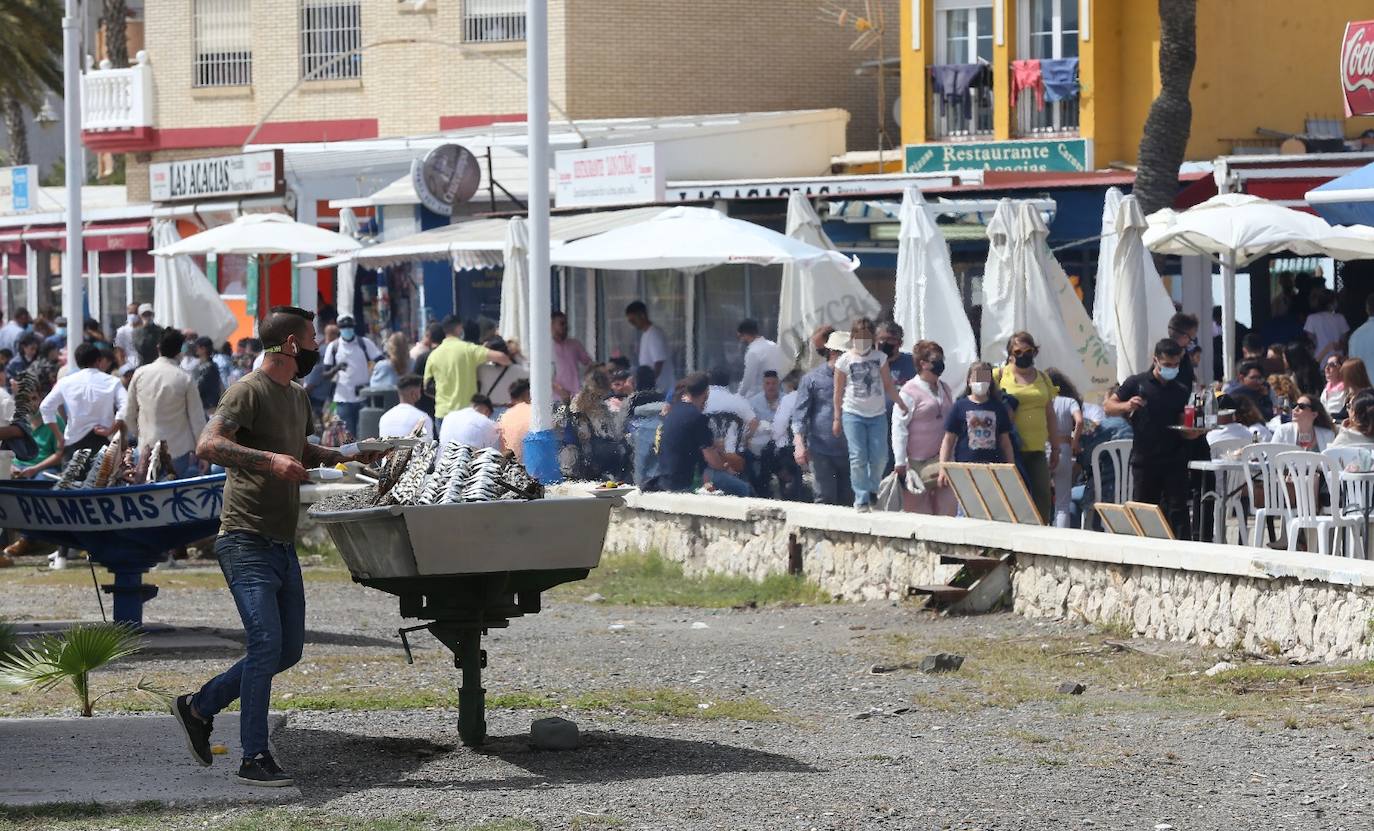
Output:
x,y
1263,487
1120,453
1357,495
1304,472
1226,499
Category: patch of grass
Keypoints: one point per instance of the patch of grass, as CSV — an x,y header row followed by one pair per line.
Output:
x,y
196,577
1028,737
651,580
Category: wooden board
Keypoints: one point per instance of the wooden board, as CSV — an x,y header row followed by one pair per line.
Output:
x,y
961,482
993,497
1150,520
1018,497
1116,519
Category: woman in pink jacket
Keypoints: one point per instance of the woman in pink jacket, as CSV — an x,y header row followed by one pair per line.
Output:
x,y
917,433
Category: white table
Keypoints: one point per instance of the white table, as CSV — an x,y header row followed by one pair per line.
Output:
x,y
1221,470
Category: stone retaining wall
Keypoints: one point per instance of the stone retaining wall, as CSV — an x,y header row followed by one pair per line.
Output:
x,y
1303,606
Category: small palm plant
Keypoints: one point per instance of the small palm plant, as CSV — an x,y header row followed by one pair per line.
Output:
x,y
48,661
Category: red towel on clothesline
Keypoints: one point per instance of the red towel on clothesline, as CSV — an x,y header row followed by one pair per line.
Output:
x,y
1027,75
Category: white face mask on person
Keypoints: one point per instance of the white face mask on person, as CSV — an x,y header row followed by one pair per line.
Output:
x,y
863,345
979,388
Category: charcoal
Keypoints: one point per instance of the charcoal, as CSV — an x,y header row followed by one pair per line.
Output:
x,y
351,501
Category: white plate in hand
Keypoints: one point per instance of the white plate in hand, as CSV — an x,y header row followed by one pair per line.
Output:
x,y
324,474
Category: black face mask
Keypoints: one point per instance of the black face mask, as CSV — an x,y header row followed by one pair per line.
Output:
x,y
1025,361
889,349
937,367
305,361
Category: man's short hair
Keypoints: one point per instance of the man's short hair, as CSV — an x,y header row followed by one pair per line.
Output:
x,y
720,376
891,327
205,343
497,344
637,308
453,325
748,326
405,382
435,332
30,339
171,342
480,400
1253,342
1168,348
519,388
770,373
90,323
86,355
1247,367
557,315
1183,322
696,384
283,322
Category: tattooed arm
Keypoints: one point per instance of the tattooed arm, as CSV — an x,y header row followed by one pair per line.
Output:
x,y
312,455
217,445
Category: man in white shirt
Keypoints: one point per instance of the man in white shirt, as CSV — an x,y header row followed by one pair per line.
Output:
x,y
653,348
94,401
1362,339
124,336
472,426
11,332
1325,325
348,361
784,466
722,400
164,405
761,355
401,419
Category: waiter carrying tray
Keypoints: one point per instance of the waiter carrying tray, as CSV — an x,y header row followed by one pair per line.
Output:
x,y
258,434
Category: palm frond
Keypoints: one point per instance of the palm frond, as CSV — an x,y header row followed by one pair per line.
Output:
x,y
50,660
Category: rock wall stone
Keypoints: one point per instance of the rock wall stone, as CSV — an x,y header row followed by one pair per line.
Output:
x,y
1304,619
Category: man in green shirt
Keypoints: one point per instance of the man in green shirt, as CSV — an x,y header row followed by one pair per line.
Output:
x,y
452,367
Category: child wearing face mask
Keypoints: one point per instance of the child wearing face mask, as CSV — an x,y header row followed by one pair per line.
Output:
x,y
978,428
863,385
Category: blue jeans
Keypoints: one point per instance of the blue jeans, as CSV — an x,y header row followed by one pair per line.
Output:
x,y
265,579
730,484
867,438
348,414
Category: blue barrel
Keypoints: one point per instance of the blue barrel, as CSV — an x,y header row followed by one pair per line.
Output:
x,y
541,456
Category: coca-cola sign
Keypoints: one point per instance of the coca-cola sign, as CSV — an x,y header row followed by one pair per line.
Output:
x,y
1357,68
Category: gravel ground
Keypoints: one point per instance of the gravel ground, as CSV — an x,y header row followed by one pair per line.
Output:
x,y
830,745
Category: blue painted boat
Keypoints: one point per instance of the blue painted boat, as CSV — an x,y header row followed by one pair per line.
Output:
x,y
127,529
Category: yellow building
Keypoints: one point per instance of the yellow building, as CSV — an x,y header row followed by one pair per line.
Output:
x,y
1264,68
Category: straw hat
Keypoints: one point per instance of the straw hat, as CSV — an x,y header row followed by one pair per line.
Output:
x,y
837,342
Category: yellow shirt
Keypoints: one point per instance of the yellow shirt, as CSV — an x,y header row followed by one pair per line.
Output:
x,y
453,366
1031,399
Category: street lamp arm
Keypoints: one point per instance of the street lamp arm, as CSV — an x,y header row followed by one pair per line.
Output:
x,y
323,68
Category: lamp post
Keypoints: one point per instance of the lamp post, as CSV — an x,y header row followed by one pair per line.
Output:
x,y
545,461
76,168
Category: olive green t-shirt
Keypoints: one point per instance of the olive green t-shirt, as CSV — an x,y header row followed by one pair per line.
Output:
x,y
275,419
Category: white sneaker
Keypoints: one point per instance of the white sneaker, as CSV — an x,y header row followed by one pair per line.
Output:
x,y
56,561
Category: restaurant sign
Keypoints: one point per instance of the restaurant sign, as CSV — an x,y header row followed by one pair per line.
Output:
x,y
1357,68
1061,155
627,174
18,187
243,174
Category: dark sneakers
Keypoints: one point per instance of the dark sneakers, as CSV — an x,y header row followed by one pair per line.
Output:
x,y
197,730
263,771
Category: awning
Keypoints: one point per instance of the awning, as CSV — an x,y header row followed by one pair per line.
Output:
x,y
477,243
12,242
1348,200
97,236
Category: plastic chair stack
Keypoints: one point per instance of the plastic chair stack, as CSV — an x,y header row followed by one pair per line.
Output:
x,y
1304,473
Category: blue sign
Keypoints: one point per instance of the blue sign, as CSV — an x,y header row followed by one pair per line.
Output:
x,y
17,186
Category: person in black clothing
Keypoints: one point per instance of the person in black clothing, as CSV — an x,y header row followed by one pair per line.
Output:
x,y
1183,331
685,444
1154,402
1251,385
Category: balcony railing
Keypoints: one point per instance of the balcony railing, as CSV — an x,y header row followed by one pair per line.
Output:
x,y
967,117
1055,119
117,99
493,28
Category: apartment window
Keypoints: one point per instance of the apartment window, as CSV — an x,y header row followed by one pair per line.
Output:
x,y
1049,31
493,21
223,36
331,34
963,36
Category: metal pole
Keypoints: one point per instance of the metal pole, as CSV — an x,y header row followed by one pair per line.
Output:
x,y
1228,316
541,303
71,102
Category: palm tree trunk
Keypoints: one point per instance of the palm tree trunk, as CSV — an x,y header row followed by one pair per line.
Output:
x,y
113,19
17,131
1165,140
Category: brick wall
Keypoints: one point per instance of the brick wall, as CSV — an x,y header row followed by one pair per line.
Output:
x,y
608,58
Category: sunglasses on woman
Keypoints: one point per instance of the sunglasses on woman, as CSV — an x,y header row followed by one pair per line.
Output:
x,y
1302,406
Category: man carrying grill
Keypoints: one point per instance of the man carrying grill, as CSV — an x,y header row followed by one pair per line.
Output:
x,y
259,435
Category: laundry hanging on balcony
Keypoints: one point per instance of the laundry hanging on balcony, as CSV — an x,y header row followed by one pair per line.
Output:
x,y
1060,77
951,81
1027,74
